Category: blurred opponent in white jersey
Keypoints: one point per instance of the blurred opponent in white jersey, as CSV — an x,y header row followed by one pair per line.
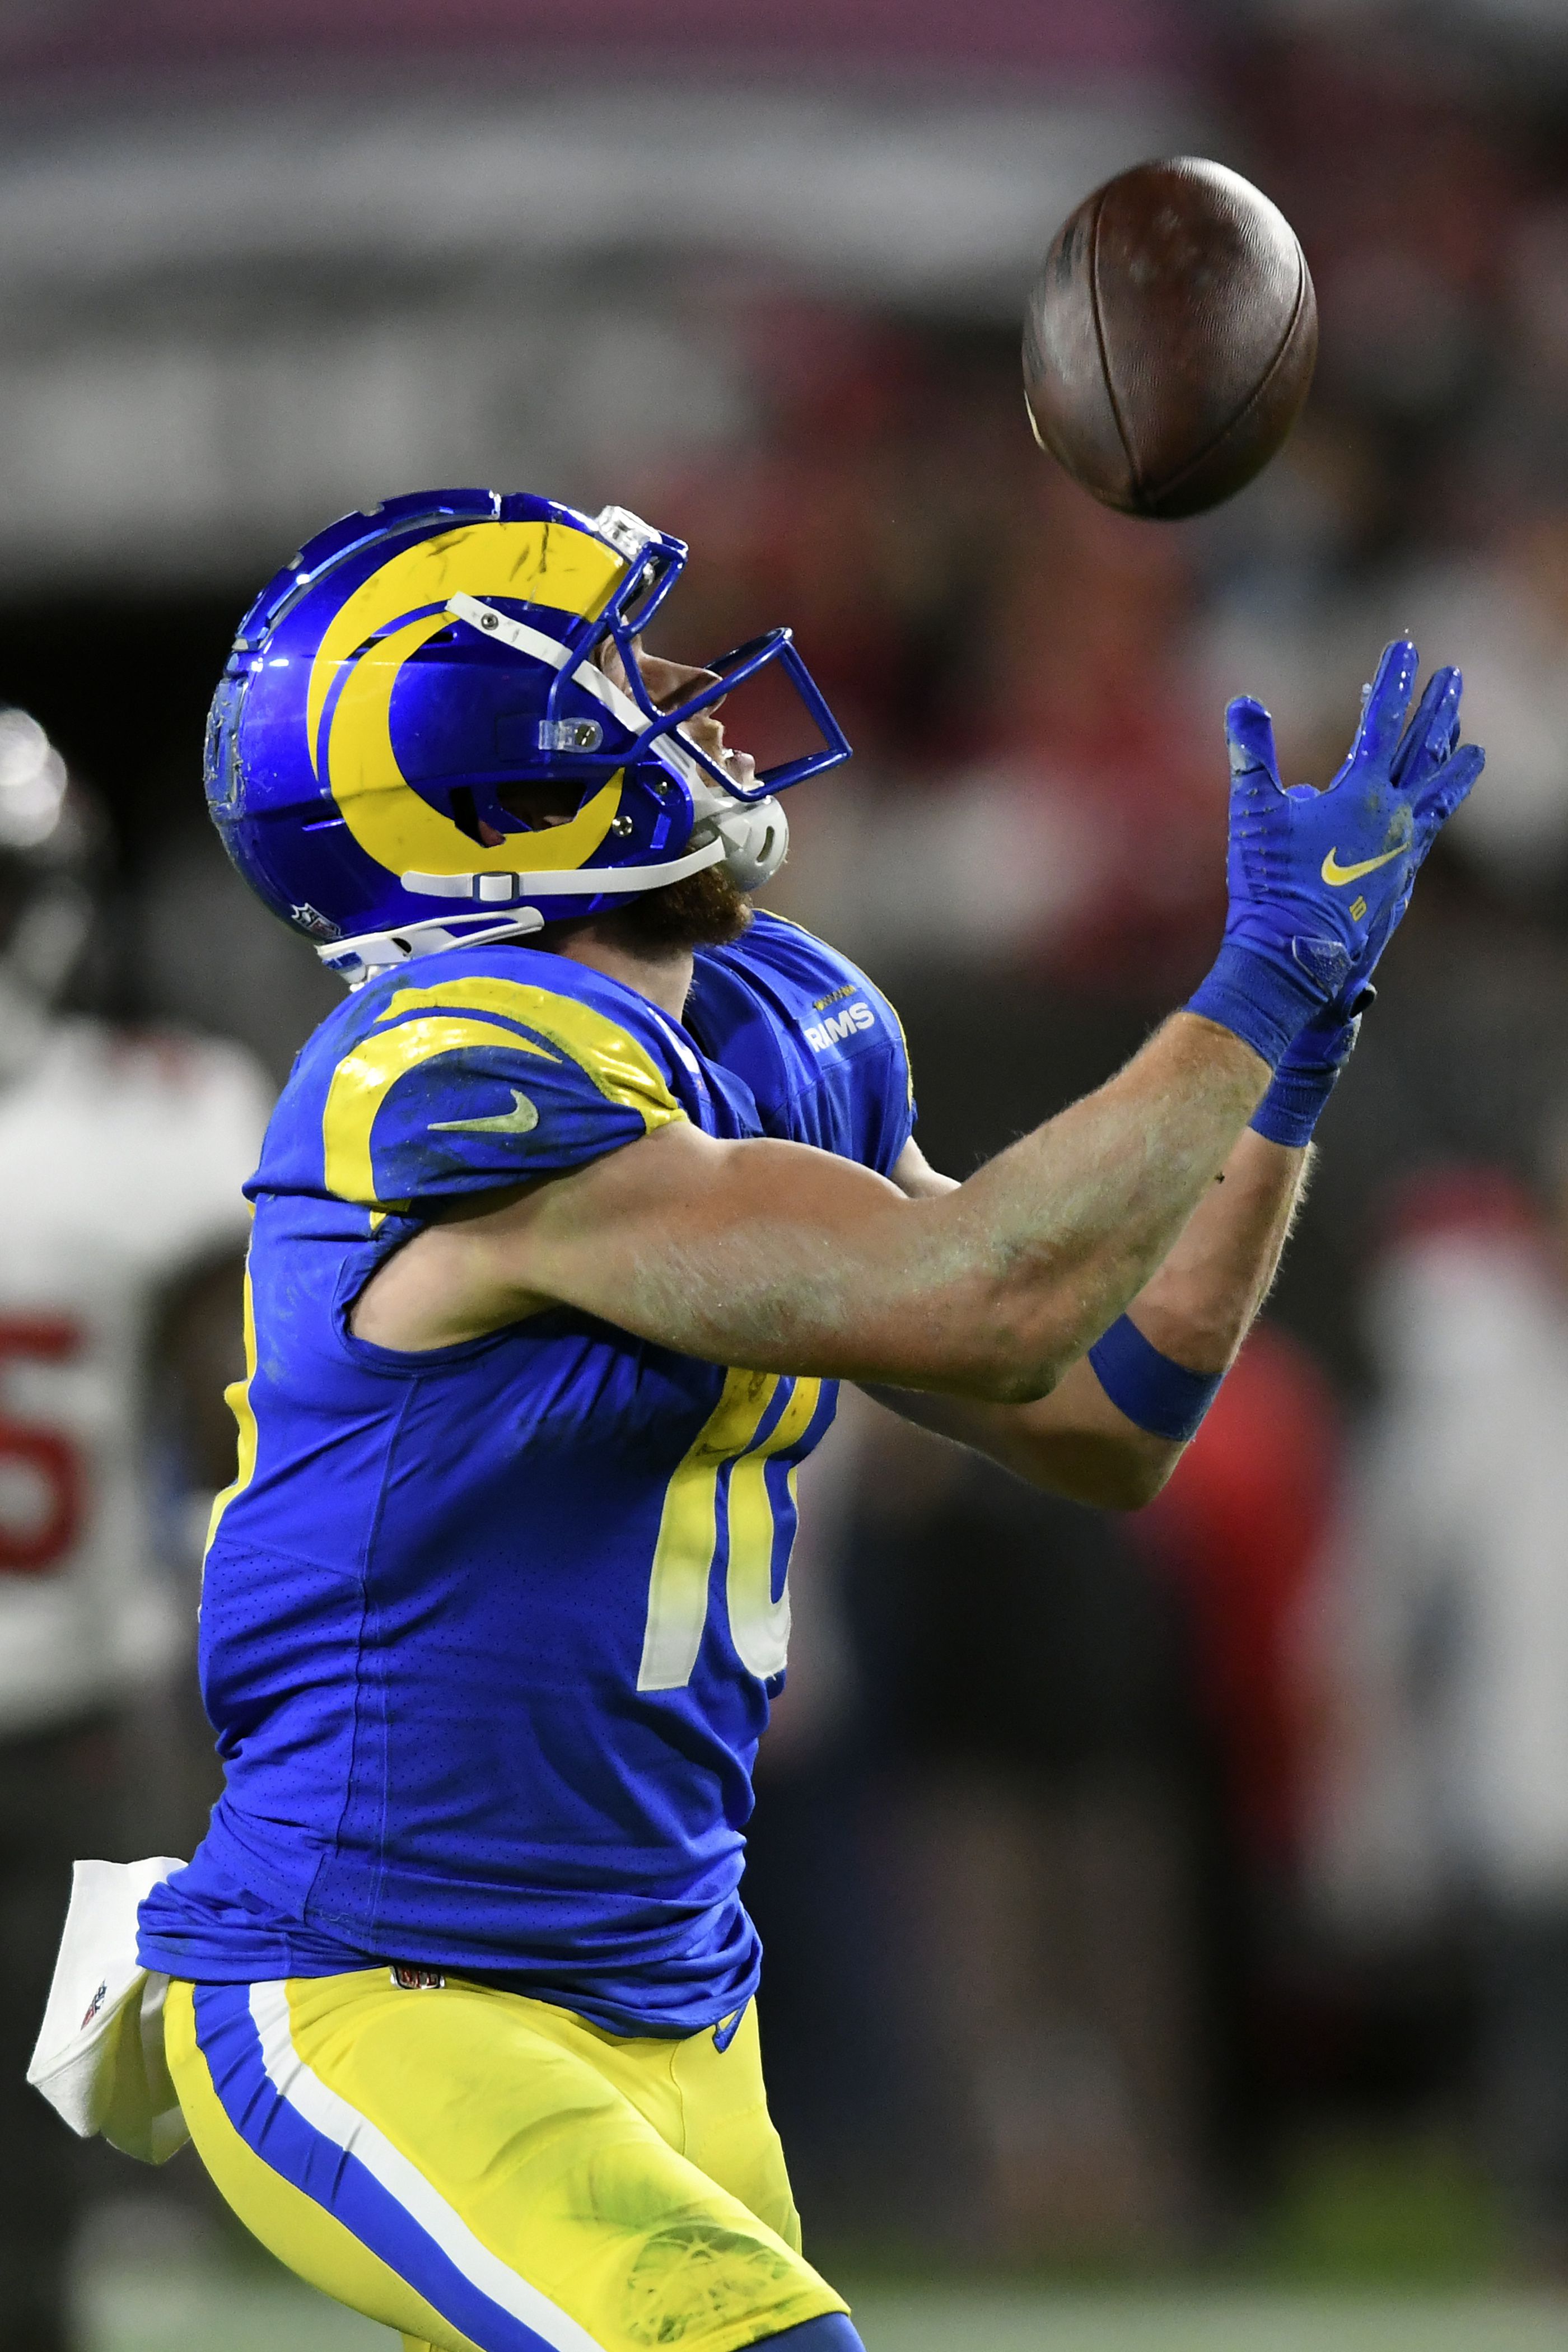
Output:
x,y
120,1162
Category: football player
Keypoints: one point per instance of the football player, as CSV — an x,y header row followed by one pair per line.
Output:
x,y
121,1161
566,1225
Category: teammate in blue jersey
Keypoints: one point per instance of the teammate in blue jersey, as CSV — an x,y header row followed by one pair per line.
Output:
x,y
567,1223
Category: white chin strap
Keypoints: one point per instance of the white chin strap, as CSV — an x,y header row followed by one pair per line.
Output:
x,y
371,952
573,882
748,839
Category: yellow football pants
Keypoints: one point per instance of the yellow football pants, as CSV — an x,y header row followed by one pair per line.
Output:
x,y
479,2170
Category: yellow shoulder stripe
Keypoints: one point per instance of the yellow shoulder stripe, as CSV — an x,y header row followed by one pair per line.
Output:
x,y
364,1077
624,1071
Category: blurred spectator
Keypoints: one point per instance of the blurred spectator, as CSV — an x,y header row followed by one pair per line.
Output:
x,y
816,1886
120,1162
1503,612
1024,1712
1031,781
1238,1534
1240,1529
1443,1646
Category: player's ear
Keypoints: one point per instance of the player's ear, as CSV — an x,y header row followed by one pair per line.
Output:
x,y
1249,734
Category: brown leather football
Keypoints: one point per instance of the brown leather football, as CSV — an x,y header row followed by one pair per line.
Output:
x,y
1169,338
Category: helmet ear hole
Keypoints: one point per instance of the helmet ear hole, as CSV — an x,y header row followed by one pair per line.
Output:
x,y
465,815
537,806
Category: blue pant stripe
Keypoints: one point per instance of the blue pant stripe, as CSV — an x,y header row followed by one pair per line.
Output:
x,y
337,2180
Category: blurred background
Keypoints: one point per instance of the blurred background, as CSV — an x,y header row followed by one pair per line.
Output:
x,y
1167,1917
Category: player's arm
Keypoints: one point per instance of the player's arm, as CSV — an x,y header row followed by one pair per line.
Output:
x,y
1161,1363
771,1256
787,1259
1196,1311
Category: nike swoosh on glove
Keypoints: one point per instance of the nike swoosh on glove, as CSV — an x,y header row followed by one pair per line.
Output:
x,y
1320,880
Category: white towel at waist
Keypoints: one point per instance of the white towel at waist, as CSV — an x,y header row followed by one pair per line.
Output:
x,y
99,2060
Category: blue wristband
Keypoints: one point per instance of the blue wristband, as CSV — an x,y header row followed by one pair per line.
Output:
x,y
1293,1106
1161,1396
1259,997
1310,1070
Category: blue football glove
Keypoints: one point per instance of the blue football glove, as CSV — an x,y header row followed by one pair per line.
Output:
x,y
1319,881
1309,1070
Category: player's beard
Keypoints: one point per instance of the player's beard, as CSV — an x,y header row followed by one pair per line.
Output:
x,y
705,910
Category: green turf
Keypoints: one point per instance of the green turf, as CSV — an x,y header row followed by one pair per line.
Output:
x,y
214,2311
1410,2210
1180,2321
1372,2245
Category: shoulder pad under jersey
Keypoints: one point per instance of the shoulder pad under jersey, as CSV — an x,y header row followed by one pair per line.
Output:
x,y
821,1049
498,1066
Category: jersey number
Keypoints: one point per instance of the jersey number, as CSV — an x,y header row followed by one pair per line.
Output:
x,y
689,1535
42,1478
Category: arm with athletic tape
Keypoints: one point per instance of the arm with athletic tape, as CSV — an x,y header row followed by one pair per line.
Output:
x,y
1318,884
1115,1426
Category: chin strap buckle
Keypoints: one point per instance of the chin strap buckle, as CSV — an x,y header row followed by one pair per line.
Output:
x,y
360,959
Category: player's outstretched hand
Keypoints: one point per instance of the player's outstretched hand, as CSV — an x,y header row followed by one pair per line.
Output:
x,y
1319,881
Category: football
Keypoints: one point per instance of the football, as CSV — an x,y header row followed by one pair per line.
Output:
x,y
1169,338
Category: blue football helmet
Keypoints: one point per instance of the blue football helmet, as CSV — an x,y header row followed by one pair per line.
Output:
x,y
413,746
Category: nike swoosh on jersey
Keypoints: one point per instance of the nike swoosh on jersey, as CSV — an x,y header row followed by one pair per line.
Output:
x,y
523,1116
1334,871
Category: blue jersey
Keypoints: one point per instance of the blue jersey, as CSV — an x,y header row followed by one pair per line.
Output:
x,y
488,1632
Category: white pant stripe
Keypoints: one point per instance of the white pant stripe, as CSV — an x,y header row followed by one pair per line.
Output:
x,y
336,2120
